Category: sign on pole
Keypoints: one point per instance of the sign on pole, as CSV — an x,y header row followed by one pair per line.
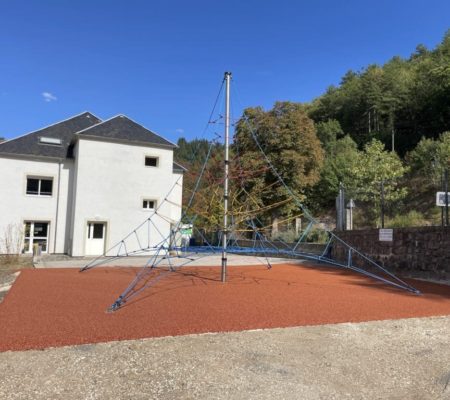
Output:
x,y
440,198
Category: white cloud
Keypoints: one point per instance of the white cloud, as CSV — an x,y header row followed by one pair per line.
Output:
x,y
48,97
179,130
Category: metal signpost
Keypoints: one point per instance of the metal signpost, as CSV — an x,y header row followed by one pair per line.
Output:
x,y
442,200
340,209
350,207
382,204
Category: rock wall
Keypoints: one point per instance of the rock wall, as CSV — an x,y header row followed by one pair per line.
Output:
x,y
413,251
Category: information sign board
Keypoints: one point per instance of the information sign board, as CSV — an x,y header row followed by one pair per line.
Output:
x,y
440,199
386,235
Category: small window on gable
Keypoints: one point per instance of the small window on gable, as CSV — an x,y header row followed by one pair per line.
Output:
x,y
149,204
39,186
51,141
151,161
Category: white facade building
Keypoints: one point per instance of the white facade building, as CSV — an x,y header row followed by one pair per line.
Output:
x,y
81,185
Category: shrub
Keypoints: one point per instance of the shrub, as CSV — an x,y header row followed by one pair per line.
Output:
x,y
412,218
289,236
12,241
317,236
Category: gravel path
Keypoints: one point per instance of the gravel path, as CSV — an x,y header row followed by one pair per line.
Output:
x,y
6,282
401,359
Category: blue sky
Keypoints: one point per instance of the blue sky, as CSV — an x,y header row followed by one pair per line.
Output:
x,y
161,62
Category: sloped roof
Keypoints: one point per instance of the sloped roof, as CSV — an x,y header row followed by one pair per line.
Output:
x,y
30,144
123,128
178,168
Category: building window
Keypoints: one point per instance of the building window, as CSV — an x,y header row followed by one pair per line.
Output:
x,y
40,186
151,161
50,141
149,204
36,233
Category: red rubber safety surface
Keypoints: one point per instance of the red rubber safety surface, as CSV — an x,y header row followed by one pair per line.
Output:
x,y
57,307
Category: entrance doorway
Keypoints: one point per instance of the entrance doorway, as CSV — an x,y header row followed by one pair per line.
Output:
x,y
36,234
95,238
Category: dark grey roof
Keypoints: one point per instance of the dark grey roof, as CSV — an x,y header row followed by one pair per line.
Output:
x,y
123,128
30,144
178,168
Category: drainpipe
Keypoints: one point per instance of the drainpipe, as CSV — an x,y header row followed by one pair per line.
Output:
x,y
57,206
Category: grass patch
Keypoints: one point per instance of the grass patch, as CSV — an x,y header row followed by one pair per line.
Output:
x,y
12,263
411,219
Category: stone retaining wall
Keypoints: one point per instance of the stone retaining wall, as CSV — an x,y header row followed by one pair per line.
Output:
x,y
424,249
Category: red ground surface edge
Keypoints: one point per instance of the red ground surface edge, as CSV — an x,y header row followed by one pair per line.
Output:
x,y
57,307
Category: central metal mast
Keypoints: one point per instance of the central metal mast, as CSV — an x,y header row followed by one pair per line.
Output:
x,y
225,186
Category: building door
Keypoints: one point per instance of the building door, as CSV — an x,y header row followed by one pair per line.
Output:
x,y
95,238
36,234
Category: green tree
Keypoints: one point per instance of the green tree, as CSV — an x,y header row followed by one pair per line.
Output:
x,y
410,97
373,167
191,152
431,157
208,197
328,132
289,139
340,161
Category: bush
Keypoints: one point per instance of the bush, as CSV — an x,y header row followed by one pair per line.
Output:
x,y
11,242
289,236
317,236
413,218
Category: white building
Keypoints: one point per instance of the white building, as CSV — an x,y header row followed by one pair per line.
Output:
x,y
81,185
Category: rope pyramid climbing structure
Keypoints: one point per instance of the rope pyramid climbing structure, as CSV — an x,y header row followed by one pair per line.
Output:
x,y
230,198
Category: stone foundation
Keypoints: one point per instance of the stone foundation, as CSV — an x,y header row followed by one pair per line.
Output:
x,y
423,251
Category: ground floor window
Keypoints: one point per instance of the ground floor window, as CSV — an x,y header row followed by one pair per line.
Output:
x,y
36,233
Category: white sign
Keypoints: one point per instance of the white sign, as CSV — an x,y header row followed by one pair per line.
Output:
x,y
386,235
440,198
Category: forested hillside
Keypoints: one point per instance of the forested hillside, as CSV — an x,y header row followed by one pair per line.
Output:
x,y
407,97
346,136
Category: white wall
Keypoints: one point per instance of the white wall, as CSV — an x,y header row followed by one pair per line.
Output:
x,y
16,206
111,183
107,182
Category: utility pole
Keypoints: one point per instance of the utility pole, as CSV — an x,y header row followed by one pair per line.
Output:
x,y
225,185
392,124
446,195
382,203
350,207
343,219
340,209
442,208
393,139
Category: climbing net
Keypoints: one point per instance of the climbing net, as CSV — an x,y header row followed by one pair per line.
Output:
x,y
261,205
